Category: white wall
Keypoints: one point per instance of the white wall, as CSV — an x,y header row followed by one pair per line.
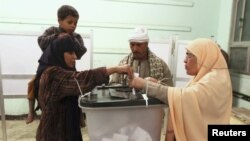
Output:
x,y
112,20
224,23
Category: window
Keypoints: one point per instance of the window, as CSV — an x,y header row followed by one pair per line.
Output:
x,y
240,37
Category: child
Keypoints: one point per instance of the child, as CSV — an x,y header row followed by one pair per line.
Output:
x,y
67,19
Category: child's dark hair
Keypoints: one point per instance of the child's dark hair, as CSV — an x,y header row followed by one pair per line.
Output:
x,y
66,10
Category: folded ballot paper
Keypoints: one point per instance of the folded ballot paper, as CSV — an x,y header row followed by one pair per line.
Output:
x,y
117,137
125,93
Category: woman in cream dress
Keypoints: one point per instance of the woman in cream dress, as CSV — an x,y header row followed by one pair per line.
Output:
x,y
206,99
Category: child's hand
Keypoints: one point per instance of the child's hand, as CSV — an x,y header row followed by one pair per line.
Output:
x,y
63,35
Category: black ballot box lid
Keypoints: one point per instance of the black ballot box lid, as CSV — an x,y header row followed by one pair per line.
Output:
x,y
116,97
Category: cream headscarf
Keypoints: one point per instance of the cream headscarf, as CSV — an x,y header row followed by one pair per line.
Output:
x,y
207,98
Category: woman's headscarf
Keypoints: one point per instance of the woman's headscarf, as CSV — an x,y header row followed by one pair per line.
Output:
x,y
208,56
54,54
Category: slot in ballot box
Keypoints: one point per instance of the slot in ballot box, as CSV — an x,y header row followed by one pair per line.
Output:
x,y
114,115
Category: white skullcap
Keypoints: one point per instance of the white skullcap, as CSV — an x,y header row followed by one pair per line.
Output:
x,y
139,34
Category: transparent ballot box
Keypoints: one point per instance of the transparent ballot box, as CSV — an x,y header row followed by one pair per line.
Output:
x,y
119,114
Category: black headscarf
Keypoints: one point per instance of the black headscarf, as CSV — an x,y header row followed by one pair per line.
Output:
x,y
54,56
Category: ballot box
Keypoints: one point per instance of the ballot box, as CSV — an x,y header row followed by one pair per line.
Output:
x,y
115,115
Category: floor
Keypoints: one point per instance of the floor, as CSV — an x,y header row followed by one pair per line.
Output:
x,y
18,130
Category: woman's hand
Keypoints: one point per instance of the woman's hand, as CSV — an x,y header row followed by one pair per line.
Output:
x,y
125,69
151,79
137,82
